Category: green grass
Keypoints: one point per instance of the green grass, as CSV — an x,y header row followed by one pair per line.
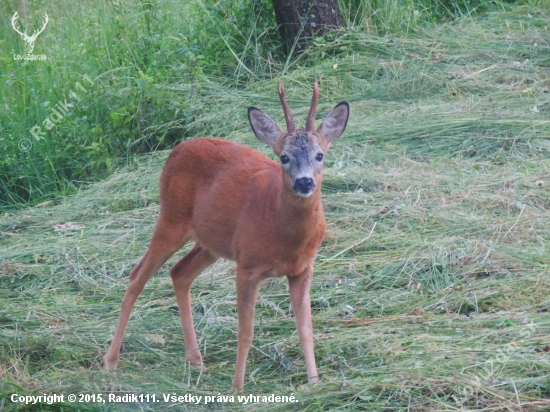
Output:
x,y
135,54
430,288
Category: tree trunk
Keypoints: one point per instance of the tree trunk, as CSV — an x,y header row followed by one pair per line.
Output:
x,y
301,20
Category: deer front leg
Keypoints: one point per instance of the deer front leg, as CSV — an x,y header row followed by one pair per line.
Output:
x,y
247,291
299,287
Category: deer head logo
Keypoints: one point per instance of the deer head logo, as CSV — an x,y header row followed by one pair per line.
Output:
x,y
29,40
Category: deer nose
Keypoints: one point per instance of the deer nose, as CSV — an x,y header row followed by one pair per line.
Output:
x,y
304,185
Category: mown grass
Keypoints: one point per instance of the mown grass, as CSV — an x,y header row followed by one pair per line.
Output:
x,y
431,286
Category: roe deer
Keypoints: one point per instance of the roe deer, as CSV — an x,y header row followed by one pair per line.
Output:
x,y
238,204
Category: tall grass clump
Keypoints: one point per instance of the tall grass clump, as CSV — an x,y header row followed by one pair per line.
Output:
x,y
135,55
381,16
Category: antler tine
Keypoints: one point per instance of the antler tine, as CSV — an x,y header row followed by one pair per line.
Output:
x,y
288,116
37,32
14,20
310,122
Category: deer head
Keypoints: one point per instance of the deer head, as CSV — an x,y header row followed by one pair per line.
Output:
x,y
29,40
301,151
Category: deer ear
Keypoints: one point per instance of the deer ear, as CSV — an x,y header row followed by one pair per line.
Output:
x,y
264,127
335,122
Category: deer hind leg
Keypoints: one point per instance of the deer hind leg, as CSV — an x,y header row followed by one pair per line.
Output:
x,y
299,288
183,274
247,293
167,240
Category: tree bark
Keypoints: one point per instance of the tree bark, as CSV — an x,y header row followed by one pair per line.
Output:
x,y
301,20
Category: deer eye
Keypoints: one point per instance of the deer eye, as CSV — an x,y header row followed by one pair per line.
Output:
x,y
284,159
319,157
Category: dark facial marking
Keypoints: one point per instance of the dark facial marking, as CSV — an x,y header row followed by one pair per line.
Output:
x,y
300,147
301,138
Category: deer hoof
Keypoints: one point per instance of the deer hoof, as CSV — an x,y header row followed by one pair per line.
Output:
x,y
109,364
194,358
313,380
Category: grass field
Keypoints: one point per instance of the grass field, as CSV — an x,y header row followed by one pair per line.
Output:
x,y
431,286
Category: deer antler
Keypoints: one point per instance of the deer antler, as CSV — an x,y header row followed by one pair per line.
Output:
x,y
310,122
288,116
37,32
13,20
24,34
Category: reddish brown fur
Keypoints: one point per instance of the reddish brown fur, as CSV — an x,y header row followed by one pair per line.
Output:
x,y
232,198
240,205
